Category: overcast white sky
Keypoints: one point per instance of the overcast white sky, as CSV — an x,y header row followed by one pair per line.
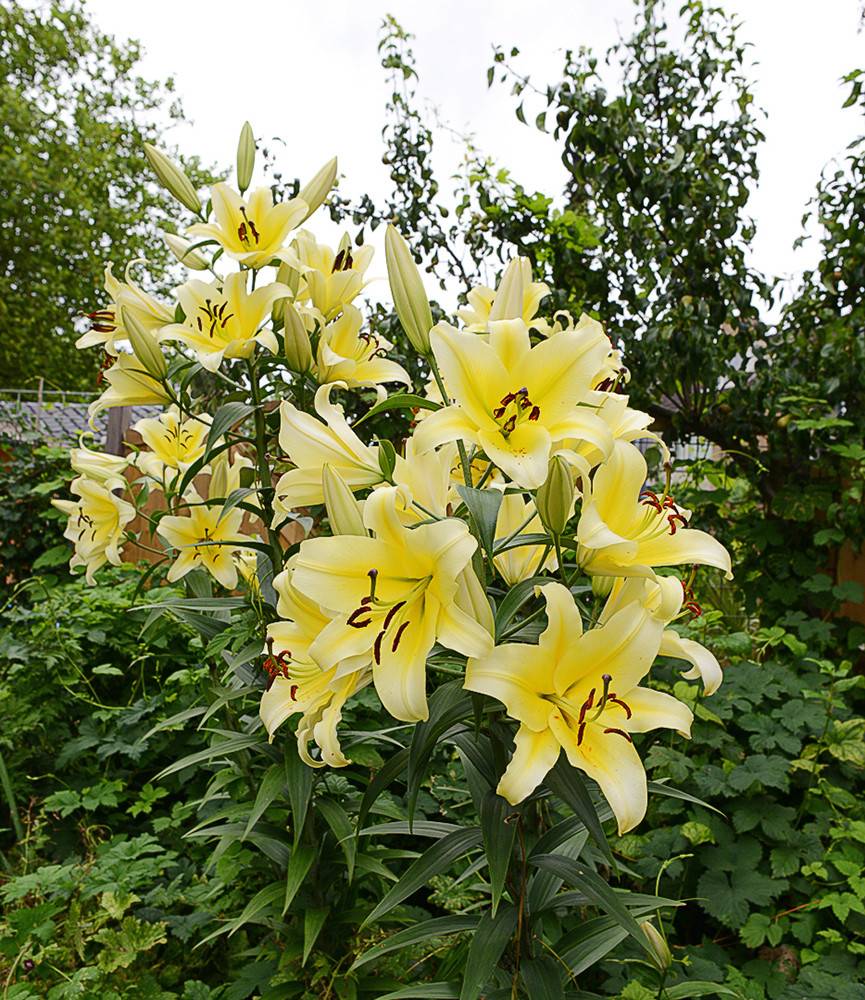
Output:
x,y
310,73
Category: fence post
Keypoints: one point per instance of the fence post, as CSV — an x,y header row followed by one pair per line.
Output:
x,y
119,418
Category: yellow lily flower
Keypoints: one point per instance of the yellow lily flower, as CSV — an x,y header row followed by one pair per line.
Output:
x,y
106,324
517,514
252,232
174,443
625,424
624,529
394,595
298,684
358,359
513,400
128,385
203,524
99,467
311,444
426,481
517,297
223,320
331,279
579,692
95,525
664,597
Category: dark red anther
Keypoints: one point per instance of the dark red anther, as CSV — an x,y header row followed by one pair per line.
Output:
x,y
580,733
388,618
499,412
620,732
587,704
241,233
253,230
337,262
535,414
622,704
353,618
672,518
505,400
606,385
292,692
509,424
398,636
376,648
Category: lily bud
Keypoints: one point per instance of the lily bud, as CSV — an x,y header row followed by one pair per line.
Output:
x,y
555,498
508,303
602,586
298,350
173,178
659,949
245,157
144,346
219,470
182,250
343,510
406,286
315,191
289,276
386,458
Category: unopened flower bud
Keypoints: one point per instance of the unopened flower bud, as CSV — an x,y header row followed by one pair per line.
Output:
x,y
659,951
298,350
182,250
555,498
343,510
219,469
386,458
409,298
173,178
245,157
508,303
144,345
602,586
316,190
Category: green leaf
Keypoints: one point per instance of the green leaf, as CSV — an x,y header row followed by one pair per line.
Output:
x,y
272,784
337,819
399,401
382,780
299,778
542,978
483,505
488,943
514,599
261,901
313,921
447,705
499,837
225,417
424,931
424,991
699,988
660,788
595,889
219,748
566,782
299,864
433,861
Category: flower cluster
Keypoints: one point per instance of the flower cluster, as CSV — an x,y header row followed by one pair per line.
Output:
x,y
520,470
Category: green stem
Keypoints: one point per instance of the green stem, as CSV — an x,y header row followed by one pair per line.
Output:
x,y
265,493
10,800
461,448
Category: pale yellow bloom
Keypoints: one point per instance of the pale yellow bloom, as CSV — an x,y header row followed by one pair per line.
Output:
x,y
579,691
331,279
128,385
513,400
663,596
517,297
393,595
99,467
625,424
252,232
624,530
202,524
426,481
107,326
224,320
174,443
523,562
95,525
311,444
345,354
299,684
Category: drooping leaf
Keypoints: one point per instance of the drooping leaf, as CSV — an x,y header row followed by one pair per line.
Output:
x,y
488,943
424,931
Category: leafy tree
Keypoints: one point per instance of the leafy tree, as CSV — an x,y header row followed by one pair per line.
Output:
x,y
75,187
